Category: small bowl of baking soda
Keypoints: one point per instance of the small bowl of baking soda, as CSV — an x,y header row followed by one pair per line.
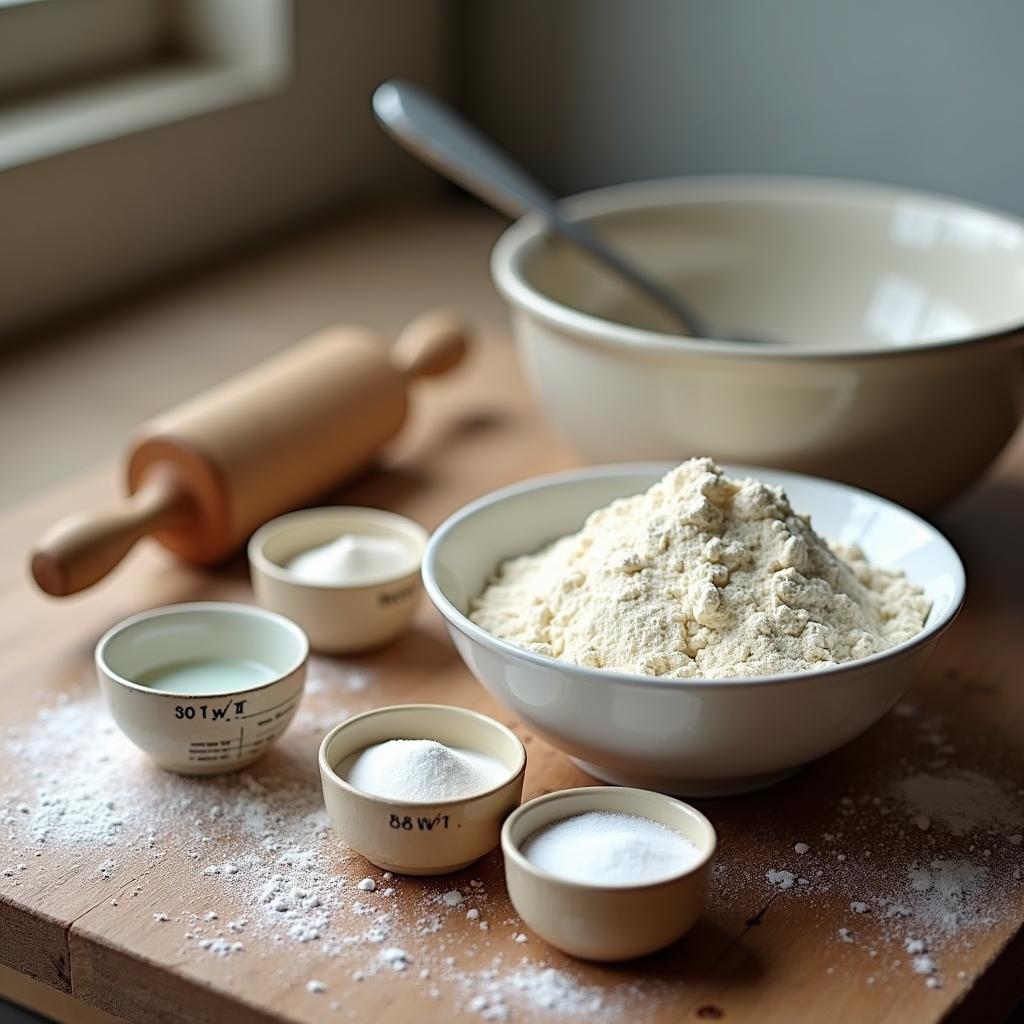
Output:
x,y
421,789
608,873
349,576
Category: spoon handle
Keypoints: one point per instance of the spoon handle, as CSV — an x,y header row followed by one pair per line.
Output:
x,y
440,138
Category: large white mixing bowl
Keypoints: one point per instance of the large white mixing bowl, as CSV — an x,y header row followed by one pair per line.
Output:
x,y
894,323
686,737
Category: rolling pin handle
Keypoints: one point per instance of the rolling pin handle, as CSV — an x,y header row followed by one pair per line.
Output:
x,y
80,550
432,344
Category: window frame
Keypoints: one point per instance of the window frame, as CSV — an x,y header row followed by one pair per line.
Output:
x,y
212,54
89,224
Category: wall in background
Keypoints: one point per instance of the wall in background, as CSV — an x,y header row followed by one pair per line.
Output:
x,y
586,92
922,92
89,223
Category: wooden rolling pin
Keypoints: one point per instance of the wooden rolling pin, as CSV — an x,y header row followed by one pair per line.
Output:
x,y
203,476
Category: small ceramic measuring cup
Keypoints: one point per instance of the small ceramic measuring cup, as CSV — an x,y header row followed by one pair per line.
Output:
x,y
414,837
339,618
205,687
597,921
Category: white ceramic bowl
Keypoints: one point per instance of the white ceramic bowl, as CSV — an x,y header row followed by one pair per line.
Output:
x,y
607,921
899,314
687,737
415,837
339,618
222,728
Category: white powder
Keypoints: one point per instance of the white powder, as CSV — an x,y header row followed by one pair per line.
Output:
x,y
894,890
608,848
548,989
334,676
962,801
701,576
540,989
395,957
221,946
296,895
421,771
946,893
354,559
923,965
105,801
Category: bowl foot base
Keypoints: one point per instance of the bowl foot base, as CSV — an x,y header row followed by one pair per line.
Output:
x,y
417,872
675,786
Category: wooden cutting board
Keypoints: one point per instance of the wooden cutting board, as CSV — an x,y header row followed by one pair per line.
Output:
x,y
79,932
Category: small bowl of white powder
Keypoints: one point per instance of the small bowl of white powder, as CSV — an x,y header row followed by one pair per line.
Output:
x,y
695,629
606,873
349,576
421,789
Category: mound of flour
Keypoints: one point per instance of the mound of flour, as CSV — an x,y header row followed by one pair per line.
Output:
x,y
700,577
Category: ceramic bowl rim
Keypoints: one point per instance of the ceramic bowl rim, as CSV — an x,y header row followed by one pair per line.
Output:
x,y
510,850
327,770
259,562
216,607
927,635
523,236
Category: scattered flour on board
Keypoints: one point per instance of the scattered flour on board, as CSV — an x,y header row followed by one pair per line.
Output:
x,y
908,889
270,875
962,801
334,677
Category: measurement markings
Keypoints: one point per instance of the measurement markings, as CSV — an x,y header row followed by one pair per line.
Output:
x,y
199,753
266,711
253,744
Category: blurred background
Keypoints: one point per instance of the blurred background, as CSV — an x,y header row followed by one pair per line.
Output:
x,y
201,181
188,186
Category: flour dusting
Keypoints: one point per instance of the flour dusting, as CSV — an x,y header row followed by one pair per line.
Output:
x,y
909,899
962,801
269,874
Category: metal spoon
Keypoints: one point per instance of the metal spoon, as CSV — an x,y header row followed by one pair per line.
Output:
x,y
432,131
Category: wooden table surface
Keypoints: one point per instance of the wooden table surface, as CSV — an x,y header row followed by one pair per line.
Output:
x,y
82,919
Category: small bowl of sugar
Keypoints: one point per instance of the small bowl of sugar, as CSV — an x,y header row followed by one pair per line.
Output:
x,y
421,789
608,873
349,576
205,687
